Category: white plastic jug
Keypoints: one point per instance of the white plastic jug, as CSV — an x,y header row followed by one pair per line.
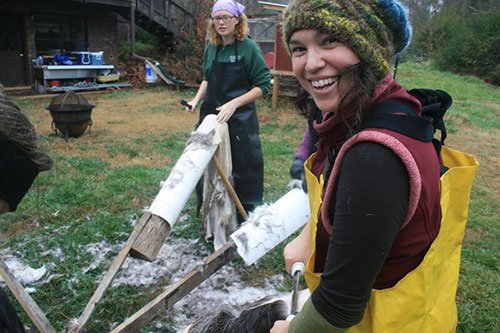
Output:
x,y
151,76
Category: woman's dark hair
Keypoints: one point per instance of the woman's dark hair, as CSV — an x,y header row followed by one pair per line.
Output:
x,y
356,86
17,128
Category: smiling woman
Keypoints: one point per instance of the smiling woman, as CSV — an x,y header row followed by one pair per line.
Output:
x,y
374,239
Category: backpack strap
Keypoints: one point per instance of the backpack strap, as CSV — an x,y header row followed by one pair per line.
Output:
x,y
435,103
399,116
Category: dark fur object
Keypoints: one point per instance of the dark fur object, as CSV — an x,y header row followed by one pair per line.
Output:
x,y
9,321
258,318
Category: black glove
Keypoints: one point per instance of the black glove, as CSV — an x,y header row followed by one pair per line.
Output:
x,y
297,169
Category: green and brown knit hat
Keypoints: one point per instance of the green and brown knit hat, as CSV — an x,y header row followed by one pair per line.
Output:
x,y
374,29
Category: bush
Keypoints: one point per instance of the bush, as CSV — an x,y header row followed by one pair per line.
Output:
x,y
146,44
465,44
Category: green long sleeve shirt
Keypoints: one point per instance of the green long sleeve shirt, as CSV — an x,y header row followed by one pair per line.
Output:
x,y
250,55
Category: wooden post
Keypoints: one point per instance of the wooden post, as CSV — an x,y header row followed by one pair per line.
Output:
x,y
150,240
29,305
276,91
178,290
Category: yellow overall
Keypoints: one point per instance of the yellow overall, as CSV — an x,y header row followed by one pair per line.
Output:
x,y
424,300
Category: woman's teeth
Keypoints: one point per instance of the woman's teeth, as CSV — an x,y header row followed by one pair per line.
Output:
x,y
323,83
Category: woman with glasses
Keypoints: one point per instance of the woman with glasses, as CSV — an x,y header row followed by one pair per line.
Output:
x,y
235,75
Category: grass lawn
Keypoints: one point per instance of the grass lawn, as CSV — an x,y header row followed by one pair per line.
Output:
x,y
101,182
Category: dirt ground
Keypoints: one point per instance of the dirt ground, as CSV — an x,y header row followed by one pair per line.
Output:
x,y
120,120
138,113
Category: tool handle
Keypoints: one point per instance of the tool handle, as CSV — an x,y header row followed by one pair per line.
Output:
x,y
186,104
297,267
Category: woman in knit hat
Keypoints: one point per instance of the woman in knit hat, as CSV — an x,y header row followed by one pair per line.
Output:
x,y
373,190
235,75
21,159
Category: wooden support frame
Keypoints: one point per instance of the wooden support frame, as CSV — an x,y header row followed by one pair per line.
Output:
x,y
111,273
178,290
154,227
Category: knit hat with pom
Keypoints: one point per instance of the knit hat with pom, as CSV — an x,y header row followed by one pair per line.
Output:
x,y
374,29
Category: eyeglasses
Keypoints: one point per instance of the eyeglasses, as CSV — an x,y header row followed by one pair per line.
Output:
x,y
225,18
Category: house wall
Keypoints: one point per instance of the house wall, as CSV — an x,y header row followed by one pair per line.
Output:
x,y
102,32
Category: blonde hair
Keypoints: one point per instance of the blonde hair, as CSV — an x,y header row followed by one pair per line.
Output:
x,y
241,30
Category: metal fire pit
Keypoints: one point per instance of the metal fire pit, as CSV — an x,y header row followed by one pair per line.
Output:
x,y
70,114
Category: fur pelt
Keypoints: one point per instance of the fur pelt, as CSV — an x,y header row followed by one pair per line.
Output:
x,y
255,318
258,319
218,208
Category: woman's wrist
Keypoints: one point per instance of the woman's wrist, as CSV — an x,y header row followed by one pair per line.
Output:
x,y
310,320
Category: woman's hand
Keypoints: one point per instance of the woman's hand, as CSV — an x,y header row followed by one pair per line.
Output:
x,y
193,103
226,111
280,326
298,250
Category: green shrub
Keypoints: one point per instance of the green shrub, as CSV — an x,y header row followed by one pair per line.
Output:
x,y
146,45
464,43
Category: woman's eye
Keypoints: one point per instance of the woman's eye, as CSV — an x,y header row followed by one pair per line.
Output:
x,y
330,40
297,50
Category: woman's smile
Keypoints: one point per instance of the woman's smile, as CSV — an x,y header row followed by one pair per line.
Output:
x,y
317,60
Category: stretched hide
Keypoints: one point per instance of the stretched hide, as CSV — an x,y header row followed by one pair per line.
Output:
x,y
189,168
218,207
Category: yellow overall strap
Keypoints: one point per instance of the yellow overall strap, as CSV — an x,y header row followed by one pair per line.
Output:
x,y
314,190
424,300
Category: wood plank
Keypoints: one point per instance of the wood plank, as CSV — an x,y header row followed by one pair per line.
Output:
x,y
16,88
151,239
178,290
111,273
159,72
29,305
276,92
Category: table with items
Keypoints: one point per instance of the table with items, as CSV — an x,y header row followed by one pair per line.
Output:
x,y
63,73
53,78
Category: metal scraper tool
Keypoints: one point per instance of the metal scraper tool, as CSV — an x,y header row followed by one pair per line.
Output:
x,y
296,271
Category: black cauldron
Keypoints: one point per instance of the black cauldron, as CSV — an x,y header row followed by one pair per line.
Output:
x,y
70,114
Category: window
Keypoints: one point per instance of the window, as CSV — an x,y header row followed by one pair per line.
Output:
x,y
10,33
60,34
